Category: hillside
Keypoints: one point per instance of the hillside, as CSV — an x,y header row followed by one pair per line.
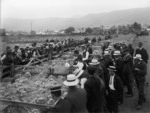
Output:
x,y
140,15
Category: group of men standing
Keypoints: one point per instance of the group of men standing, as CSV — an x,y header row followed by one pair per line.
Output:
x,y
23,55
97,85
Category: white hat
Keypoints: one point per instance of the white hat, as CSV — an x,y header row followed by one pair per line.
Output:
x,y
27,45
94,62
112,68
138,56
117,53
110,47
47,47
17,45
71,80
67,65
106,53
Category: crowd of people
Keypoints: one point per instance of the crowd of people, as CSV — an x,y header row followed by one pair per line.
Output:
x,y
23,55
98,83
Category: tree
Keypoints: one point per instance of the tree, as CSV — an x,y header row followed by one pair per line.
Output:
x,y
88,30
69,30
136,28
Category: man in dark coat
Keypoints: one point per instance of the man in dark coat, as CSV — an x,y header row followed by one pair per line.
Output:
x,y
99,69
95,95
140,70
115,88
118,61
76,96
7,60
142,51
131,50
61,105
127,72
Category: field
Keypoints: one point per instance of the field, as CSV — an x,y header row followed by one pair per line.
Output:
x,y
129,105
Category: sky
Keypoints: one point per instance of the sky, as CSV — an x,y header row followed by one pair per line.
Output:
x,y
64,8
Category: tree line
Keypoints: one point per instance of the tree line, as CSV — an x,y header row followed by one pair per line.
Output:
x,y
134,28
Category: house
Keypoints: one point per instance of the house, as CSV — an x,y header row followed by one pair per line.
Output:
x,y
97,30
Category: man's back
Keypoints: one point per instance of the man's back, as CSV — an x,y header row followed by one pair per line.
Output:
x,y
93,88
62,106
78,98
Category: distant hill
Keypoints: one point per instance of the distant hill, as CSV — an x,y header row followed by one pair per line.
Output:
x,y
122,17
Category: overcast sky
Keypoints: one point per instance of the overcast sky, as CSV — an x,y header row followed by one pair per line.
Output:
x,y
65,8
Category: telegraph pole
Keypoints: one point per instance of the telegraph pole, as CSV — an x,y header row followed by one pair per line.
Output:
x,y
0,14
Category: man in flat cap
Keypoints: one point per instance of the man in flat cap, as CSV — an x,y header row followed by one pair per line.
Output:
x,y
140,69
61,105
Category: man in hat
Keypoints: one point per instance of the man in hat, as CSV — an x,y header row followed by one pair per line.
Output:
x,y
142,51
108,58
131,50
7,60
99,70
17,55
76,96
127,72
89,48
94,87
118,61
82,75
140,70
79,63
61,105
114,88
85,54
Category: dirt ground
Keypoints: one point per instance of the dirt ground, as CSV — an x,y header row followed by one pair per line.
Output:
x,y
129,105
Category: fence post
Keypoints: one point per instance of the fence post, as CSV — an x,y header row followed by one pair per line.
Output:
x,y
12,70
1,71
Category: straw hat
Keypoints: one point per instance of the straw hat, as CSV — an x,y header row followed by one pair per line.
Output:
x,y
106,53
27,45
55,88
47,47
67,65
112,68
71,80
138,56
94,62
117,53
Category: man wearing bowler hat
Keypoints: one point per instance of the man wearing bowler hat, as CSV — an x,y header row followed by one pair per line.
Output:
x,y
114,88
61,105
